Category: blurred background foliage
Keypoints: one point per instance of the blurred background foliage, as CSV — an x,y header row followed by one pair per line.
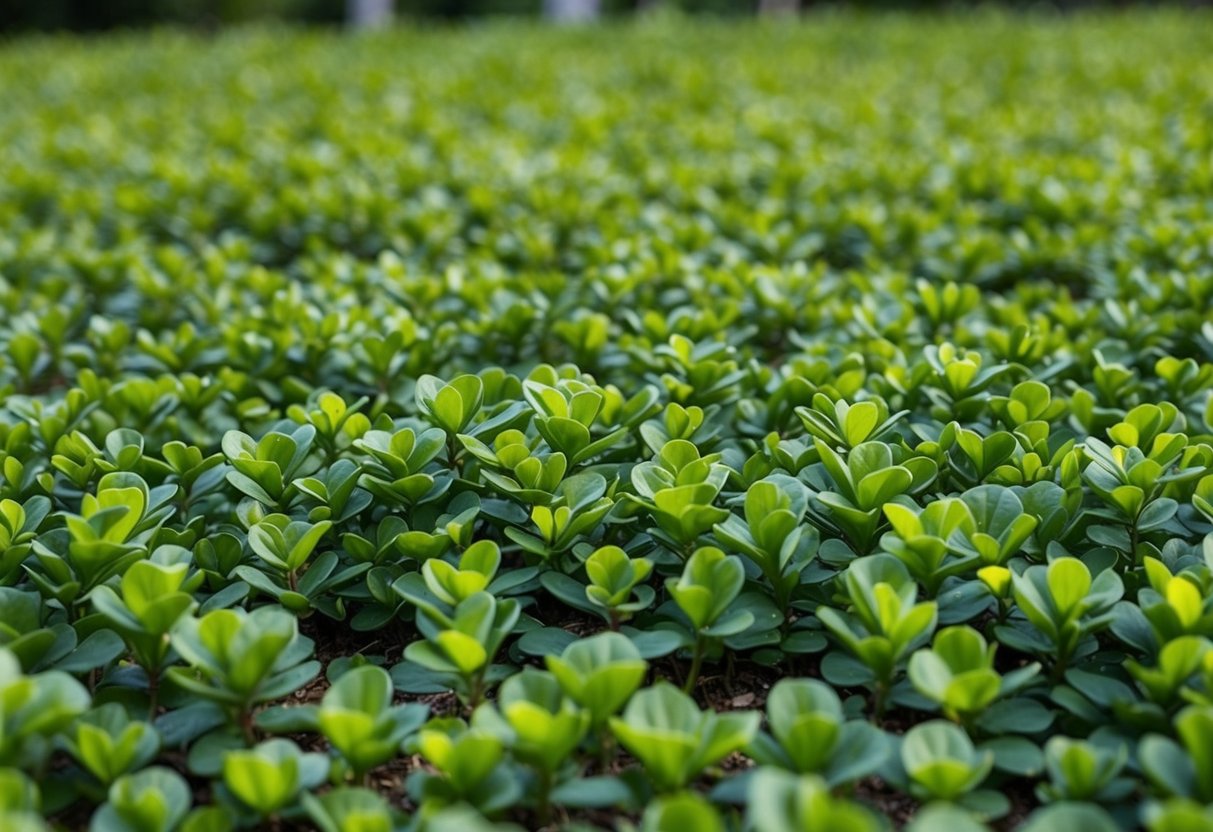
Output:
x,y
100,15
92,15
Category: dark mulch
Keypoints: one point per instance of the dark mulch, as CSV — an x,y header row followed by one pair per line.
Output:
x,y
897,806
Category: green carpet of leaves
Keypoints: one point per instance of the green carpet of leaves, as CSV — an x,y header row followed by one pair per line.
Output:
x,y
671,426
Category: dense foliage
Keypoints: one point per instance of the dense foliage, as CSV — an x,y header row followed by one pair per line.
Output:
x,y
683,428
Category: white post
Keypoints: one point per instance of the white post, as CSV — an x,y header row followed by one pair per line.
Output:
x,y
368,14
570,11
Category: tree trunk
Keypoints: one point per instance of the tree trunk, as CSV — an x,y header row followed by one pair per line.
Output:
x,y
368,14
570,11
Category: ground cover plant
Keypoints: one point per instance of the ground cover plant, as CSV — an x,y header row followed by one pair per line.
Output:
x,y
678,426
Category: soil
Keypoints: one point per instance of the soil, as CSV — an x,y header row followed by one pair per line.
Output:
x,y
897,806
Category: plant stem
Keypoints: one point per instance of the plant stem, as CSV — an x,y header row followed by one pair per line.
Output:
x,y
1063,649
878,698
696,664
153,694
1057,673
606,746
246,726
475,691
544,799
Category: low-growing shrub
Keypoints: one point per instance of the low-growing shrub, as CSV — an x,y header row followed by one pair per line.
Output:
x,y
674,426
